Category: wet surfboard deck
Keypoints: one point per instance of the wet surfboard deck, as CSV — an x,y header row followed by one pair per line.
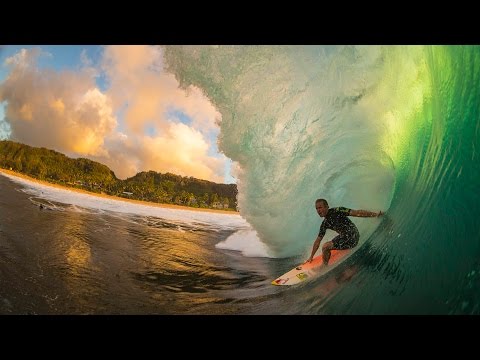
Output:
x,y
303,272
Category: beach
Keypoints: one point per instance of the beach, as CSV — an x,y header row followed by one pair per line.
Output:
x,y
105,196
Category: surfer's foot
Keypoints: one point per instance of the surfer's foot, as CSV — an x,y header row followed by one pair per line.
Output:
x,y
325,259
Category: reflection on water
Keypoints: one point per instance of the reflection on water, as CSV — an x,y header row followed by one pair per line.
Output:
x,y
64,259
78,256
75,260
77,250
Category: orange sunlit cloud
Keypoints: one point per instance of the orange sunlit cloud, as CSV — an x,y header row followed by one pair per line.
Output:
x,y
137,78
59,110
66,111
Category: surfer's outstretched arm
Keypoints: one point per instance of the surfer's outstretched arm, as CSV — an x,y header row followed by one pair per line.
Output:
x,y
316,244
365,213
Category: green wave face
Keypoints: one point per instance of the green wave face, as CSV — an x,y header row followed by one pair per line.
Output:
x,y
368,127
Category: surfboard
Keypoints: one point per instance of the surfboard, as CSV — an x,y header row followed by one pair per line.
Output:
x,y
306,271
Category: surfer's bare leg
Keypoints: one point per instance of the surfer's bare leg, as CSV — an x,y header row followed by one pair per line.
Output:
x,y
326,248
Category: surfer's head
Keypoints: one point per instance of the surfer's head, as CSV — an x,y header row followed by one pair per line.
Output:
x,y
322,207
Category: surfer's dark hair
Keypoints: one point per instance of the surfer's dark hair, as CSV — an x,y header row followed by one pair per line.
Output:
x,y
323,201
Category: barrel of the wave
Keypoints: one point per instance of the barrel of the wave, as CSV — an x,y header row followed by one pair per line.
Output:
x,y
425,259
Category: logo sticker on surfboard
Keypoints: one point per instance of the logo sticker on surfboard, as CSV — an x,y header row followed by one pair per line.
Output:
x,y
302,276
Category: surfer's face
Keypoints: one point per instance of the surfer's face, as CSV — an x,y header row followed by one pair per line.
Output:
x,y
322,209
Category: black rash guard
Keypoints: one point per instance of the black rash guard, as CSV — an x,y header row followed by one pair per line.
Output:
x,y
337,220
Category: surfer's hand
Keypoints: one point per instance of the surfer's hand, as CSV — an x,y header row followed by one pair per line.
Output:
x,y
309,260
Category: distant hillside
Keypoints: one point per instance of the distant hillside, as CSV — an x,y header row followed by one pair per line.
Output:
x,y
55,167
175,189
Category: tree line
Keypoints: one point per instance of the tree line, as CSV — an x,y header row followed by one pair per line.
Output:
x,y
52,166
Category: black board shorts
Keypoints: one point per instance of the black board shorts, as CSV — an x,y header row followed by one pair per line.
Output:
x,y
346,241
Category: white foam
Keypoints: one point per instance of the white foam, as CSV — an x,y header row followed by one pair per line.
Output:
x,y
247,242
66,196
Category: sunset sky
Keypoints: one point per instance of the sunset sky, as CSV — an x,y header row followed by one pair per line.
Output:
x,y
112,104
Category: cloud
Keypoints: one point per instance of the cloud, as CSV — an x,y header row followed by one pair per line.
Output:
x,y
67,112
181,150
138,84
189,156
87,65
137,79
58,110
24,58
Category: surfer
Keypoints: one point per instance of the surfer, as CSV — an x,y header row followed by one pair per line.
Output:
x,y
336,219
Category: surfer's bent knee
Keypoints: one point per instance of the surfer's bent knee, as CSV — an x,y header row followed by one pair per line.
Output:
x,y
327,246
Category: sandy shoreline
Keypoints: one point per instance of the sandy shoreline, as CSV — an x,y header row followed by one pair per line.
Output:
x,y
139,202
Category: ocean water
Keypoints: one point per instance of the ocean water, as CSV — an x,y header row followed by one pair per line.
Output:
x,y
392,128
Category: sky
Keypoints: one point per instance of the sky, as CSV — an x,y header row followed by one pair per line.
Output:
x,y
112,104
